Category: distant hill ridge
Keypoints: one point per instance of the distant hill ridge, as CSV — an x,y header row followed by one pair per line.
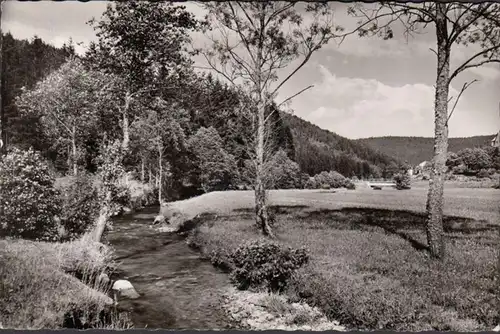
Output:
x,y
418,149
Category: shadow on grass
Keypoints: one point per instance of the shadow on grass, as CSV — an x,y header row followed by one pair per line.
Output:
x,y
402,223
276,209
398,222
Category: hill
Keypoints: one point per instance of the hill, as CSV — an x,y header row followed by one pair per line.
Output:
x,y
418,149
319,150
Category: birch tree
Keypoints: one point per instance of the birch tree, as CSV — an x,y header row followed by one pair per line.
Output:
x,y
255,43
66,102
474,25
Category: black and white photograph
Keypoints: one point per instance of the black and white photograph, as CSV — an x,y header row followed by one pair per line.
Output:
x,y
250,165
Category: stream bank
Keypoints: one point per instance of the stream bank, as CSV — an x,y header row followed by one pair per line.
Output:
x,y
178,290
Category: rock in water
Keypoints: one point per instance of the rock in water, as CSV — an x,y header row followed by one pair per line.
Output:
x,y
125,289
160,219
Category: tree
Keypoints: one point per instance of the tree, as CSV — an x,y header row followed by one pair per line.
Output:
x,y
475,159
160,131
255,41
467,24
110,171
65,103
217,168
143,43
282,172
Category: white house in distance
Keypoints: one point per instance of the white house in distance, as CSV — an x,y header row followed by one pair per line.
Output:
x,y
495,142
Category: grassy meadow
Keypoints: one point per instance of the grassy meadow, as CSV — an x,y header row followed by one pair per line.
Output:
x,y
369,268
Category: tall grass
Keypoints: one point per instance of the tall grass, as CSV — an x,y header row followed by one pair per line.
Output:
x,y
39,288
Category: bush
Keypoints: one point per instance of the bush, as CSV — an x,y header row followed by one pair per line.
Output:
x,y
483,173
266,264
29,202
80,207
460,169
329,180
282,172
402,180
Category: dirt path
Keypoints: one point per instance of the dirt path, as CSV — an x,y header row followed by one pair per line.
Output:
x,y
178,290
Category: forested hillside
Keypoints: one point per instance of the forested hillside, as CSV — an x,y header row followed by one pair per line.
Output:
x,y
24,62
418,149
319,150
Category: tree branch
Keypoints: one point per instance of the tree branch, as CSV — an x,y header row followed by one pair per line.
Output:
x,y
294,95
467,64
464,87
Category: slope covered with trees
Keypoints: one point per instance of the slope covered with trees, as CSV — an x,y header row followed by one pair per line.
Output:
x,y
318,150
24,62
418,149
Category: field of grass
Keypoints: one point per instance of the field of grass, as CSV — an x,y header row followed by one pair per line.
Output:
x,y
369,268
481,204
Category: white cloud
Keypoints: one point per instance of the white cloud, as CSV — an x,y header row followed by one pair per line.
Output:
x,y
357,108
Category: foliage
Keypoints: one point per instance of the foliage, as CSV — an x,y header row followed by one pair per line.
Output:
x,y
474,158
217,168
403,180
142,42
327,180
282,172
29,202
24,62
80,206
266,264
67,103
110,172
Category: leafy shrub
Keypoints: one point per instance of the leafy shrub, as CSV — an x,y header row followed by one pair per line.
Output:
x,y
328,180
80,206
282,172
475,158
403,181
460,169
483,173
29,202
266,264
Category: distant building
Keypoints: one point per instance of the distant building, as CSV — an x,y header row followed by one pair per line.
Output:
x,y
495,142
423,166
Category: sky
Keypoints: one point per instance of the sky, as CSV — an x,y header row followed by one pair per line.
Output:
x,y
364,87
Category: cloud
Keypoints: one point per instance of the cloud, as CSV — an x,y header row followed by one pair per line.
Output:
x,y
357,108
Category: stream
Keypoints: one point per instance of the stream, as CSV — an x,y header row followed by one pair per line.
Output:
x,y
178,289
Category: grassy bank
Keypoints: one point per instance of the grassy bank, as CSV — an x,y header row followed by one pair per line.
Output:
x,y
39,288
369,268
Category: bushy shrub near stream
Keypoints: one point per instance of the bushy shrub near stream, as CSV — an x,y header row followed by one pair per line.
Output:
x,y
80,206
268,264
29,203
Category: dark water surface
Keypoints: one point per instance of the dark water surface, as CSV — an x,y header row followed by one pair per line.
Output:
x,y
178,290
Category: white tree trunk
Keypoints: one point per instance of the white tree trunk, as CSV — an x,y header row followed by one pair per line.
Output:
x,y
74,151
435,197
125,122
160,184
